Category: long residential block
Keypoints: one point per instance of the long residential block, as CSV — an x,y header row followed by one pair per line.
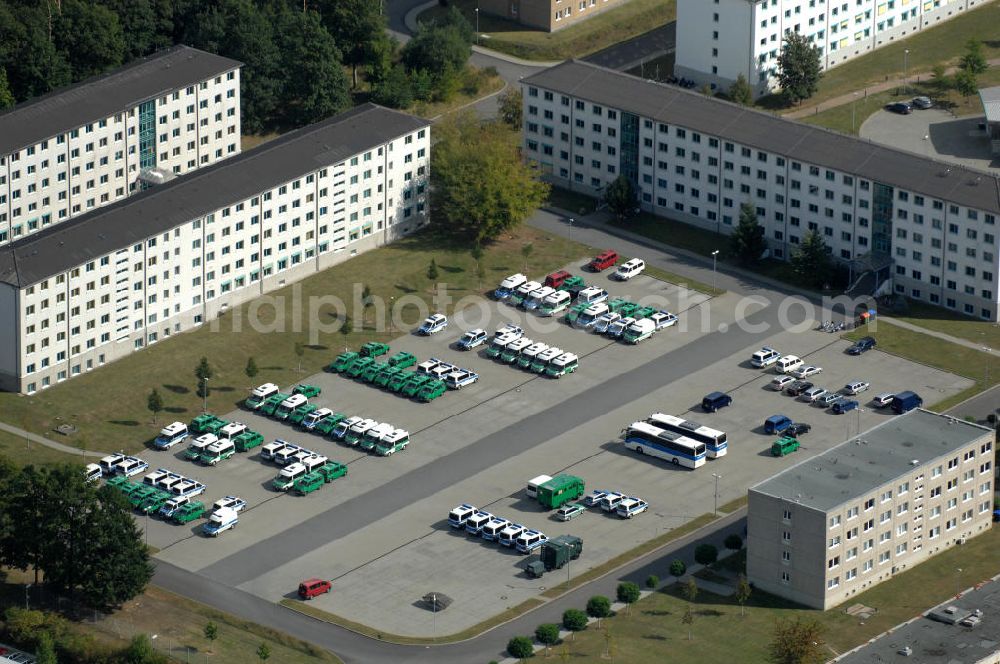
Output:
x,y
90,144
929,227
717,40
837,524
108,283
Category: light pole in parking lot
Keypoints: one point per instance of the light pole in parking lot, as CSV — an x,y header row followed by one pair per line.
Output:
x,y
477,25
204,394
715,256
571,220
717,477
906,53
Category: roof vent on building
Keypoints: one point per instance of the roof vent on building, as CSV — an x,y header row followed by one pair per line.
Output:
x,y
907,443
914,462
843,476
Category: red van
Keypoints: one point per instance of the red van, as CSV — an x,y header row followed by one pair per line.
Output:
x,y
556,279
312,587
604,260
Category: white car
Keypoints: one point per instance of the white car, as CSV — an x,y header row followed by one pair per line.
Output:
x,y
434,323
630,507
806,371
856,387
629,269
663,319
234,503
781,382
765,357
883,400
509,328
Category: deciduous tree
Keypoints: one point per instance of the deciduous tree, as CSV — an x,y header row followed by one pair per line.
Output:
x,y
251,369
687,619
620,198
354,26
91,37
432,270
263,652
652,582
599,607
733,542
797,641
211,632
574,620
510,108
743,591
520,647
548,635
973,59
300,350
706,554
202,372
677,568
482,187
6,97
691,590
628,593
395,90
154,402
799,68
319,88
966,83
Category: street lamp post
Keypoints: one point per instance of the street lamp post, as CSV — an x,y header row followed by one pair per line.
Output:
x,y
958,581
906,53
571,220
854,105
477,26
989,356
717,477
715,256
204,394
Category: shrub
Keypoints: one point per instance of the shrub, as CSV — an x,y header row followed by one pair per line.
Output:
x,y
652,581
598,606
677,568
520,647
547,634
734,542
574,620
706,554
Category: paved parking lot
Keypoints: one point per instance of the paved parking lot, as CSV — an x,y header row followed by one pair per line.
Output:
x,y
482,444
933,133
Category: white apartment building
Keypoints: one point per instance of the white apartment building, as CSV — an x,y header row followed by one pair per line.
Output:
x,y
719,39
837,524
930,226
86,145
108,283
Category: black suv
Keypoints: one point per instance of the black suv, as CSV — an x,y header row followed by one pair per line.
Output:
x,y
796,429
863,344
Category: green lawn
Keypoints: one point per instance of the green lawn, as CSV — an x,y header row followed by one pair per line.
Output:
x,y
476,84
937,353
676,233
609,27
943,43
720,634
15,447
952,322
108,405
571,201
840,117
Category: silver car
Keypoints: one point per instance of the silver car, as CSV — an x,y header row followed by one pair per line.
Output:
x,y
828,399
812,394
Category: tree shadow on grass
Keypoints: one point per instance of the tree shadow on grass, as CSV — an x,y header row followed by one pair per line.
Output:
x,y
176,389
317,347
655,637
222,388
404,288
657,612
124,423
452,269
711,613
175,409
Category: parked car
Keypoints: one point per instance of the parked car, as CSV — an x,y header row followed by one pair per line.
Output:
x,y
812,394
883,400
312,587
905,402
796,429
829,399
570,511
434,323
781,382
714,401
856,387
844,405
630,268
901,107
603,260
807,371
922,103
797,388
784,446
473,338
862,345
777,424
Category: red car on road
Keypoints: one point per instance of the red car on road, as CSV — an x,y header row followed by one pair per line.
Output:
x,y
312,587
604,260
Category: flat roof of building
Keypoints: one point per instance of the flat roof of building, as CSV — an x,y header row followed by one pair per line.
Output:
x,y
765,131
133,219
104,95
991,103
871,459
933,642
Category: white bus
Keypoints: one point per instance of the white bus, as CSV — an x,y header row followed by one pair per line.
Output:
x,y
716,442
644,438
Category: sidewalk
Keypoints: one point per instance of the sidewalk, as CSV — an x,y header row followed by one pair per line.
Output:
x,y
599,221
59,447
878,87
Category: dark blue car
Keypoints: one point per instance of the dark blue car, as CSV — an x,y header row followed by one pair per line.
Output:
x,y
844,405
863,344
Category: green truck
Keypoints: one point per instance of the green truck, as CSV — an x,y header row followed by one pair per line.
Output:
x,y
560,490
359,366
343,362
644,312
272,404
141,494
403,360
784,446
392,443
248,440
153,503
308,483
432,390
414,384
373,370
374,349
308,391
399,381
331,471
326,426
573,285
188,513
386,375
574,312
300,413
555,554
206,423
